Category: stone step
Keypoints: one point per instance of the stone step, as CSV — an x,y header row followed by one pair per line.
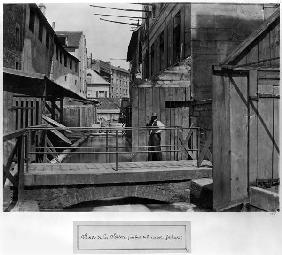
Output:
x,y
201,191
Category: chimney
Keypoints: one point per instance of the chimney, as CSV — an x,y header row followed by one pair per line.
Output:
x,y
42,8
53,25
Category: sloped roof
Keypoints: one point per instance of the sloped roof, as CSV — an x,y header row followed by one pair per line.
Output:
x,y
109,103
95,78
73,37
251,40
119,69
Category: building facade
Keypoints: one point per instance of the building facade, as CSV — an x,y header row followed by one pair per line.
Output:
x,y
75,43
30,44
97,86
119,82
175,48
103,68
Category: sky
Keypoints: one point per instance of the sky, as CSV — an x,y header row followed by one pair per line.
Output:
x,y
103,39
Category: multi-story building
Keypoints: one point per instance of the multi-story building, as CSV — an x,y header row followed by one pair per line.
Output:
x,y
75,43
35,65
119,82
175,49
101,67
97,86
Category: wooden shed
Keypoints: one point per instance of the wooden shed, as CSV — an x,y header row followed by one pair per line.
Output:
x,y
246,120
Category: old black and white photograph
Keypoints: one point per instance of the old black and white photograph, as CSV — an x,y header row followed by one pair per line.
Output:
x,y
170,107
133,127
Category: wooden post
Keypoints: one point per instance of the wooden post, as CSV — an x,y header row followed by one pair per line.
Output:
x,y
21,168
61,110
116,150
107,146
53,108
230,135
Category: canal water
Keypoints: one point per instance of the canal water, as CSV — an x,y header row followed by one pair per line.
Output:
x,y
98,144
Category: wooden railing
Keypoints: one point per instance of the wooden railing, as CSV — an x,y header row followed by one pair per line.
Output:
x,y
17,155
186,146
24,148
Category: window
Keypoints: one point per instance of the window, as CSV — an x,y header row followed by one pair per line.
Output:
x,y
76,67
97,94
17,65
40,31
18,36
162,65
65,60
47,39
154,11
31,20
152,59
106,94
65,78
176,38
70,64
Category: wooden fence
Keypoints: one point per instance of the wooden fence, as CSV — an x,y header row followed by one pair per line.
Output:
x,y
79,115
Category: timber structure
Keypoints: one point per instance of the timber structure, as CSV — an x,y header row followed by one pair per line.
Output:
x,y
246,117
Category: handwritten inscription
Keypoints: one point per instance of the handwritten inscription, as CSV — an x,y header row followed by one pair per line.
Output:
x,y
116,236
149,236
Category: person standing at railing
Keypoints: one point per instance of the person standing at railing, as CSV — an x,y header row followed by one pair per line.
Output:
x,y
154,143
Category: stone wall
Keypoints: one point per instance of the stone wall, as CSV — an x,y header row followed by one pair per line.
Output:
x,y
13,34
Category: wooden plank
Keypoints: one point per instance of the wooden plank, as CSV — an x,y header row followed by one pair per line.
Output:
x,y
27,112
149,104
60,135
135,117
265,145
55,123
268,82
264,49
252,56
268,74
185,122
167,133
239,138
41,109
163,119
221,132
275,161
142,122
34,112
23,112
243,46
18,113
172,133
178,122
253,129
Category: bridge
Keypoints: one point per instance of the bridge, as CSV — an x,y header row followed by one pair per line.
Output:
x,y
59,185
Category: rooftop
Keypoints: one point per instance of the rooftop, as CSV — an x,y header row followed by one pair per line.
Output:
x,y
93,77
73,37
119,69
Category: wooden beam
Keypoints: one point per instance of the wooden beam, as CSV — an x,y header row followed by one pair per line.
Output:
x,y
246,43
